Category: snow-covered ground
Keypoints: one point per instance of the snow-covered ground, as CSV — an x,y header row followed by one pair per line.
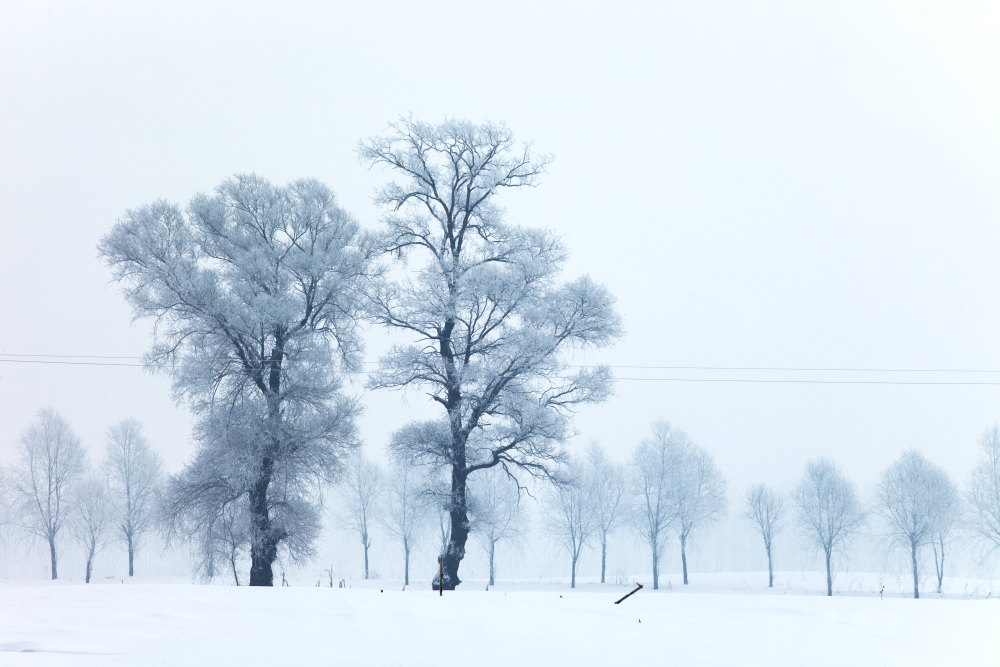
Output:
x,y
517,624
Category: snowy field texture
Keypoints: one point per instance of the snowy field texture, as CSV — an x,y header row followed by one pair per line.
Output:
x,y
519,624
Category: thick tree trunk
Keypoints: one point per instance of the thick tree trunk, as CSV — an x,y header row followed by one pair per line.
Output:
x,y
770,569
263,542
459,518
131,555
684,559
52,557
604,556
916,580
90,564
829,576
493,549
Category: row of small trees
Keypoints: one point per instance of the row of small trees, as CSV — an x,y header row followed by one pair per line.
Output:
x,y
51,487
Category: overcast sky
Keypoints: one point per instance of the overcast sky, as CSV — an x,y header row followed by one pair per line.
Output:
x,y
759,184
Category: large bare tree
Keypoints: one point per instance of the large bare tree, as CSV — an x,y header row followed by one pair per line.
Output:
x,y
607,488
133,472
766,509
916,499
489,320
255,291
829,512
50,460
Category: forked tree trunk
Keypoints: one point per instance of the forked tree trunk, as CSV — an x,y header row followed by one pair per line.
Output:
x,y
52,557
916,580
684,559
829,575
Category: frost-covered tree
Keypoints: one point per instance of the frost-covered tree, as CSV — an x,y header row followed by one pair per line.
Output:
x,y
829,512
984,489
50,460
255,291
571,515
606,485
133,474
698,493
489,319
654,508
496,512
916,499
766,509
406,510
362,492
91,518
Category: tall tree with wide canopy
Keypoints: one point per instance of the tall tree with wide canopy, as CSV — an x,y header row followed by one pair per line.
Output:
x,y
255,292
490,321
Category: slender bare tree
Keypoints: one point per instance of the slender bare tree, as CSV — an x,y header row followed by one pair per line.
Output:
x,y
829,512
496,512
766,509
406,511
362,492
92,516
489,320
51,459
571,515
133,474
257,292
698,493
655,511
984,489
913,496
607,488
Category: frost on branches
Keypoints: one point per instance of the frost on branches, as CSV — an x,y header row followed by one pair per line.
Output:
x,y
255,292
489,320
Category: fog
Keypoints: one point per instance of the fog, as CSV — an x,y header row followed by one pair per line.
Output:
x,y
767,187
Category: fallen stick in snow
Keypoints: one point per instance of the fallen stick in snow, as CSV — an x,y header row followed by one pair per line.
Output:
x,y
632,592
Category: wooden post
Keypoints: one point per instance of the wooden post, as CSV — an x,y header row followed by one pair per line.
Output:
x,y
441,576
634,591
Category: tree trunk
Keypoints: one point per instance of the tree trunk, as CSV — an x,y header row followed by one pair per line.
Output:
x,y
939,562
604,556
916,580
131,555
263,541
770,569
52,557
236,574
656,570
493,548
829,575
684,559
90,564
406,564
366,543
459,518
572,574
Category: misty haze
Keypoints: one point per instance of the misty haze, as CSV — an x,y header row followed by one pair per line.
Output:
x,y
516,334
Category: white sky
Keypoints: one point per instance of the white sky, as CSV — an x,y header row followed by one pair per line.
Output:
x,y
769,185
